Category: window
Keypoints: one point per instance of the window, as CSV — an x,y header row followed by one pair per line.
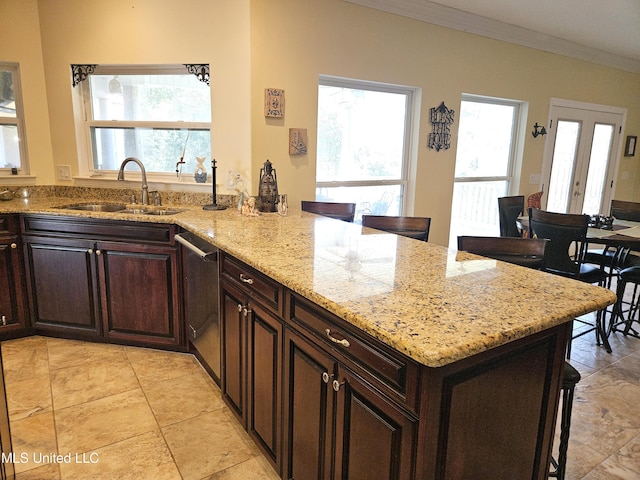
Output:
x,y
13,150
157,114
485,164
363,144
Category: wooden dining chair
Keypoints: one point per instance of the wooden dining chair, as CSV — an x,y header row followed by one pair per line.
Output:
x,y
567,235
528,252
413,227
509,209
340,211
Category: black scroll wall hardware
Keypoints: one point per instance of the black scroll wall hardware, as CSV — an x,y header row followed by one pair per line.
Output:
x,y
538,130
441,119
81,72
200,70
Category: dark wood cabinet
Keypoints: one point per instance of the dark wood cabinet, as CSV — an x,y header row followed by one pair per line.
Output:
x,y
13,309
252,337
337,424
101,279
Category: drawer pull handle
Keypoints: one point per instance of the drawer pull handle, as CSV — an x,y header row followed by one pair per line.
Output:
x,y
344,342
246,279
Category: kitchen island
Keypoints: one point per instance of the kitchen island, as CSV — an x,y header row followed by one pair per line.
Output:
x,y
453,363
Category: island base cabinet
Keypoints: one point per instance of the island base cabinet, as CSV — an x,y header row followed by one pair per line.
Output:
x,y
337,426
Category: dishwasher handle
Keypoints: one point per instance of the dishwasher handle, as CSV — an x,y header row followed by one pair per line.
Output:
x,y
206,256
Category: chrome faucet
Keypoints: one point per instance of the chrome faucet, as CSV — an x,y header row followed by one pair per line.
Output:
x,y
145,187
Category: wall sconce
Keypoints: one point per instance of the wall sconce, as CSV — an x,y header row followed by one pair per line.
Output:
x,y
538,130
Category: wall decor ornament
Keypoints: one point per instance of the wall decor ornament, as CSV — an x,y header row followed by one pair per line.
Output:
x,y
200,175
81,72
273,102
200,70
441,119
630,146
297,141
268,188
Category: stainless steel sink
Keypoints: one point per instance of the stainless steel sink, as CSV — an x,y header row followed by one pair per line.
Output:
x,y
96,207
151,211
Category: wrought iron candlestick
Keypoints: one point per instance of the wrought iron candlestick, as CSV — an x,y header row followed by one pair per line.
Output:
x,y
214,205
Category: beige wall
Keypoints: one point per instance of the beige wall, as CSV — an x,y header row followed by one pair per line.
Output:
x,y
255,44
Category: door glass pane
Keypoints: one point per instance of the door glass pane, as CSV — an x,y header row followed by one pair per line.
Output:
x,y
484,140
564,154
475,209
597,174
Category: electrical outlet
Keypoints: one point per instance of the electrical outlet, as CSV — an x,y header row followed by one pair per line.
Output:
x,y
64,172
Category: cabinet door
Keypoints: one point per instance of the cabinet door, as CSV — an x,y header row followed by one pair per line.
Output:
x,y
374,437
12,289
62,284
140,293
232,330
264,348
309,410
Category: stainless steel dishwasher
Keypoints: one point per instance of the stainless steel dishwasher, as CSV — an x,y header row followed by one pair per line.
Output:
x,y
200,281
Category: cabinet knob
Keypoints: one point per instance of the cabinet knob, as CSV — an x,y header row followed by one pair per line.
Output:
x,y
326,377
98,252
336,385
14,245
240,308
246,279
4,320
246,311
344,342
90,251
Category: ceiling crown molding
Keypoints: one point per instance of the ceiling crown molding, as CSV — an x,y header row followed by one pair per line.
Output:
x,y
431,12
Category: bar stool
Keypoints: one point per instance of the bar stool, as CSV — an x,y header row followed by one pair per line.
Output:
x,y
627,275
570,378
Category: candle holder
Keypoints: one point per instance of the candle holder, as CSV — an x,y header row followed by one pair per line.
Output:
x,y
214,205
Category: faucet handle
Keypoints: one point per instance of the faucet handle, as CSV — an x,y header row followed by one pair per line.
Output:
x,y
157,201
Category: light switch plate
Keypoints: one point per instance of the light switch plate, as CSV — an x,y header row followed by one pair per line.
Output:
x,y
64,172
534,179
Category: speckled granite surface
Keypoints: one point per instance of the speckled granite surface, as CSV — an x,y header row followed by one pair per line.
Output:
x,y
433,304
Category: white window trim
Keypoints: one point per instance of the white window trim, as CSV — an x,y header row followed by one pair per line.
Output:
x,y
18,121
88,175
410,154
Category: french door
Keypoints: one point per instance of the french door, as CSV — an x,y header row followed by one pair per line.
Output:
x,y
581,157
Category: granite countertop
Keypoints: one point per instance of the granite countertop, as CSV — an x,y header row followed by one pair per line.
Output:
x,y
433,304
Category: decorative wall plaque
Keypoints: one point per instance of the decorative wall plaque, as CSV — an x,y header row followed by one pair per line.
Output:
x,y
297,141
273,102
441,119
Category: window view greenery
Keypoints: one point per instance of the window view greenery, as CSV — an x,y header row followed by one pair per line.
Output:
x,y
361,154
12,154
156,117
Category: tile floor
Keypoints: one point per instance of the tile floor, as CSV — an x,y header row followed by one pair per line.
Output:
x,y
148,414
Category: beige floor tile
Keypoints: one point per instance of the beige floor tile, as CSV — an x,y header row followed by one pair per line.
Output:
x,y
153,366
208,444
137,458
24,358
256,468
46,472
33,438
65,353
86,427
80,384
29,397
184,397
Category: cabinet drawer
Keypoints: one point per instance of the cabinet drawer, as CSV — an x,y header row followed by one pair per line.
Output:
x,y
254,282
384,364
98,229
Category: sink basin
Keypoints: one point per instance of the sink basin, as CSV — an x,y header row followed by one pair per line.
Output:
x,y
151,211
96,207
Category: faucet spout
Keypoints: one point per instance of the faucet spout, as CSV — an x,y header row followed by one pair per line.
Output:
x,y
145,187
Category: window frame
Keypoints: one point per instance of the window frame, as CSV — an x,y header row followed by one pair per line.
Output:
x,y
407,181
17,121
83,115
